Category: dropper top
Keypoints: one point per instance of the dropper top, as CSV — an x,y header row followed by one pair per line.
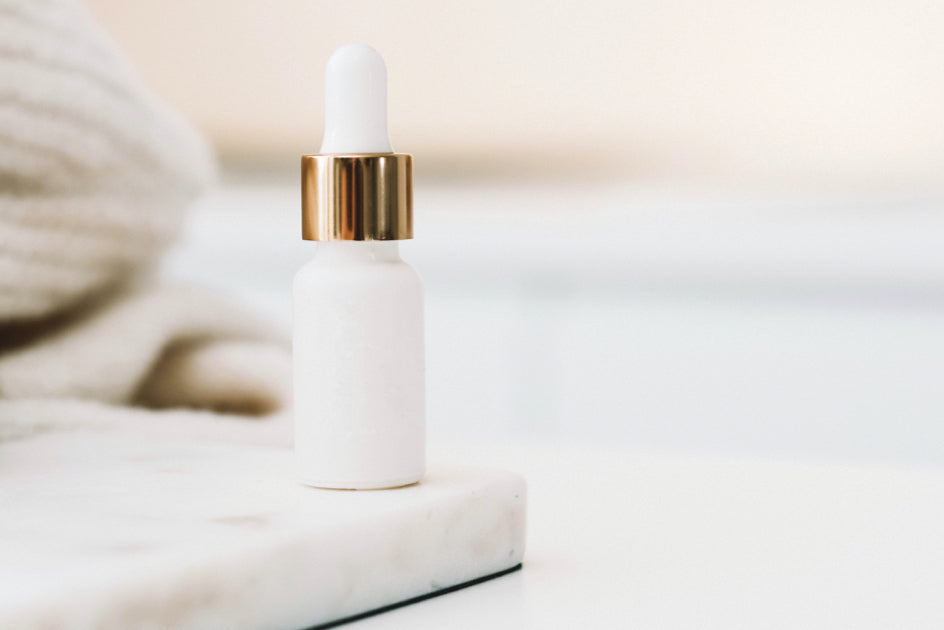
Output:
x,y
356,188
356,102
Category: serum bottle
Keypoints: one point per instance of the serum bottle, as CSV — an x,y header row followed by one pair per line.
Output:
x,y
358,308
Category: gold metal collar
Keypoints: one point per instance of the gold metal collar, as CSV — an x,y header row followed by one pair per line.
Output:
x,y
357,197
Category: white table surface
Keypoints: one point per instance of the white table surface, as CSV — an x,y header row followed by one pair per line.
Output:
x,y
618,538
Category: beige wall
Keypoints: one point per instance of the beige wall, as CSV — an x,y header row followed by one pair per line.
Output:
x,y
827,91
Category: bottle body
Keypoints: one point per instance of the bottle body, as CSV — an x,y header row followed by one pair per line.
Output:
x,y
358,368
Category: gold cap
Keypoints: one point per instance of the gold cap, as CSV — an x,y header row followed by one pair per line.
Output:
x,y
357,197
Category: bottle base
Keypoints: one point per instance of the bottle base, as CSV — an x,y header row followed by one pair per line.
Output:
x,y
391,484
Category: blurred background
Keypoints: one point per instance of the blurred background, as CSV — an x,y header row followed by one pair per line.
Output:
x,y
687,225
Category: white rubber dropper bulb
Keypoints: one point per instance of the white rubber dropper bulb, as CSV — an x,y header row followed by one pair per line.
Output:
x,y
356,102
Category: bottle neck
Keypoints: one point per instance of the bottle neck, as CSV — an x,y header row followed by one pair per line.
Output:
x,y
357,252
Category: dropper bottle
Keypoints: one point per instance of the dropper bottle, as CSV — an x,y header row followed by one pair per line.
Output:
x,y
358,308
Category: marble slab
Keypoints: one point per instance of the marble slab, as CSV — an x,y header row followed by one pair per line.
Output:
x,y
106,531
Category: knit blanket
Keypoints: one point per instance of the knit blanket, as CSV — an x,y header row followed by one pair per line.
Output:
x,y
96,176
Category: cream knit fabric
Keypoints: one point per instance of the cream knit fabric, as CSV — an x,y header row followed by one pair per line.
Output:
x,y
95,178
